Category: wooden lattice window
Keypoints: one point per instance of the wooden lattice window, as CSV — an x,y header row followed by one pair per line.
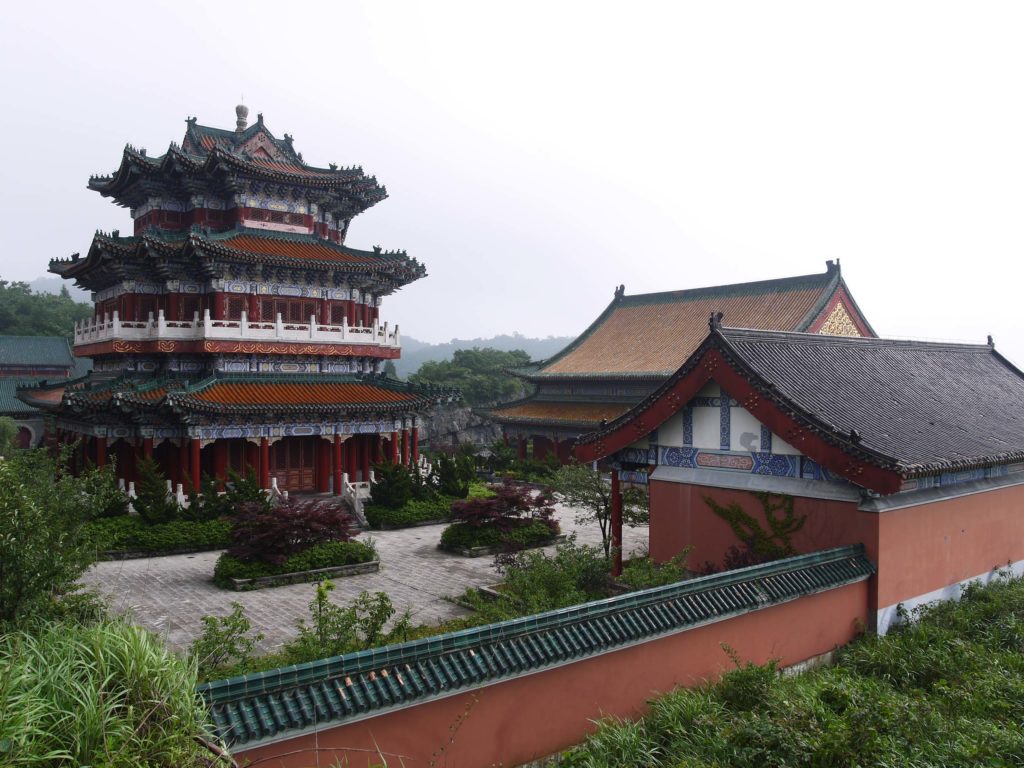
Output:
x,y
234,306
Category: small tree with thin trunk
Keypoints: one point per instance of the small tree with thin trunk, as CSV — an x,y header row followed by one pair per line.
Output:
x,y
590,494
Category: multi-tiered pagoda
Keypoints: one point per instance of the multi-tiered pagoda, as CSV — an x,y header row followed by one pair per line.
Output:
x,y
234,328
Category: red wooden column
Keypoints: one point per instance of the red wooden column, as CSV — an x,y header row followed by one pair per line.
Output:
x,y
522,448
393,448
101,451
264,463
218,306
323,465
350,310
616,525
220,462
147,447
352,456
325,312
184,473
337,464
252,459
405,447
194,465
415,445
252,309
365,451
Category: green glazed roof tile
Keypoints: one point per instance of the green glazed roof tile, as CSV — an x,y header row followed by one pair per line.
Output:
x,y
264,706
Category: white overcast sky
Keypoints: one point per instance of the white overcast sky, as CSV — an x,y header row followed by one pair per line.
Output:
x,y
537,154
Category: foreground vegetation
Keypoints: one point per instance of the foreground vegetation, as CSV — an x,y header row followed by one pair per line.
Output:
x,y
77,688
110,694
947,690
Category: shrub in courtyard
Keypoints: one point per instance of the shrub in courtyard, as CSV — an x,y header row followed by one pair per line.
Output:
x,y
393,488
213,503
327,554
513,517
291,537
454,474
132,534
411,513
44,544
644,573
152,502
273,535
226,645
334,629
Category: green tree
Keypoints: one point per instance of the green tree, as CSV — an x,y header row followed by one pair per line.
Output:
x,y
480,374
152,501
43,544
24,313
8,432
390,371
590,495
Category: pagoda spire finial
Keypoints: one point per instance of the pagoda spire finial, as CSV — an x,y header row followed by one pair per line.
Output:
x,y
242,115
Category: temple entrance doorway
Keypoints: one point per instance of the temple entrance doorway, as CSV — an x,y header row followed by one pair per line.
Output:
x,y
293,463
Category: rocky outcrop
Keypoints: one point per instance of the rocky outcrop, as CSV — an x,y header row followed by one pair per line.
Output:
x,y
454,425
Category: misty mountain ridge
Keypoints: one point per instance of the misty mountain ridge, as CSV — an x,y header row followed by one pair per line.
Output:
x,y
54,284
416,352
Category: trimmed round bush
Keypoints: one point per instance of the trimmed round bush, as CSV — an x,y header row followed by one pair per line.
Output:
x,y
530,533
328,554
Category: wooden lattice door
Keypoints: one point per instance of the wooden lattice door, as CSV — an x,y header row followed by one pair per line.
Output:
x,y
293,463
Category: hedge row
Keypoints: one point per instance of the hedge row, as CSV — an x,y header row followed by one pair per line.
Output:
x,y
412,513
463,536
131,534
329,554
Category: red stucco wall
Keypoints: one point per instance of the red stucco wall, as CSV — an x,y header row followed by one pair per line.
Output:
x,y
680,516
932,546
533,716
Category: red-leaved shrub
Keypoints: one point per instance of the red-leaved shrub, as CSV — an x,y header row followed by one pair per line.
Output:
x,y
511,506
293,526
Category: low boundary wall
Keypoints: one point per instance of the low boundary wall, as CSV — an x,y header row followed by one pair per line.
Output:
x,y
509,693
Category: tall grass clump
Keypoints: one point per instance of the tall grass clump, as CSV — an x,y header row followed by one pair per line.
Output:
x,y
945,689
107,694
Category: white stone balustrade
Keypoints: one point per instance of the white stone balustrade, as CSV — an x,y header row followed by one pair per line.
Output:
x,y
111,328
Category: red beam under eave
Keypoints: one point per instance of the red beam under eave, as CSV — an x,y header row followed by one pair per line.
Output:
x,y
714,367
236,347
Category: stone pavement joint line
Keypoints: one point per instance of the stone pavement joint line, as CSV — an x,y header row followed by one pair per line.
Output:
x,y
170,595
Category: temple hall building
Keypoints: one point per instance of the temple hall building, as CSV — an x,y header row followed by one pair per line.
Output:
x,y
913,449
235,328
28,360
639,341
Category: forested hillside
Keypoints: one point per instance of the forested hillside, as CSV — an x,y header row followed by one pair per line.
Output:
x,y
26,313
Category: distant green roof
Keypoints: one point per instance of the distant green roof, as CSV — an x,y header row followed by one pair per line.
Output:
x,y
272,705
10,405
35,350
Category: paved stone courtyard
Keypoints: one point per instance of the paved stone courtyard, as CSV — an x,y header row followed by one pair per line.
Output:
x,y
170,595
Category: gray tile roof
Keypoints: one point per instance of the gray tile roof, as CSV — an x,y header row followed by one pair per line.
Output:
x,y
921,406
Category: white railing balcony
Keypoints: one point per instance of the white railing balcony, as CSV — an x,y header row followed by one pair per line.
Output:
x,y
112,328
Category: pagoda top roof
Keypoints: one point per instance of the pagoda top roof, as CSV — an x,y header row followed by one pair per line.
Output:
x,y
650,335
211,154
911,408
241,244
